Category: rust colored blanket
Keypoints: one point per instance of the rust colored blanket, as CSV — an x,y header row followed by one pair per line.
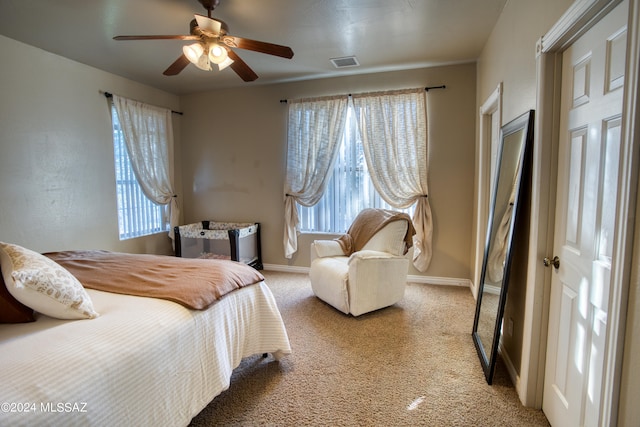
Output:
x,y
369,222
194,283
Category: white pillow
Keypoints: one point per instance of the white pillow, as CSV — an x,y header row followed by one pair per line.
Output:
x,y
42,284
389,239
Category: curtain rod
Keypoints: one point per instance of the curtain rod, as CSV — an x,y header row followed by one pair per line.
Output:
x,y
110,95
428,88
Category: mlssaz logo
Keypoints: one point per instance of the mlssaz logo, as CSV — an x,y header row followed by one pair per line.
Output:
x,y
63,407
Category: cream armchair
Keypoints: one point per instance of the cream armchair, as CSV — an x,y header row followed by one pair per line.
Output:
x,y
372,277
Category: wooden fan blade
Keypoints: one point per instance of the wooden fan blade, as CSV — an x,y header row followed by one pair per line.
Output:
x,y
156,38
177,66
257,46
241,68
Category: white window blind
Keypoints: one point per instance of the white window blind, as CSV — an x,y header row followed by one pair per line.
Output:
x,y
350,189
137,215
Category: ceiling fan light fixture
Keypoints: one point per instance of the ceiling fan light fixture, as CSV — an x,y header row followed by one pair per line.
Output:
x,y
193,52
217,53
203,63
224,64
196,55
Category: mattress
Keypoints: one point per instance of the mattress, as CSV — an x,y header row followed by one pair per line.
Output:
x,y
144,361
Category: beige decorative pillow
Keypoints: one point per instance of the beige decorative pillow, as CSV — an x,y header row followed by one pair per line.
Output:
x,y
42,284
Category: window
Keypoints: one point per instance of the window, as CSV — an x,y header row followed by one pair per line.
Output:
x,y
349,191
137,215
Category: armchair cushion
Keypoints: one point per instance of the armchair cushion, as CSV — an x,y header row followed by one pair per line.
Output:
x,y
326,248
369,254
389,239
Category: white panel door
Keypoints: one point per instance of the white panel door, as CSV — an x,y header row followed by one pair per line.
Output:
x,y
592,80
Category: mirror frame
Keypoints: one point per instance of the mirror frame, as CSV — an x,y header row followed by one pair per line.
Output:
x,y
525,124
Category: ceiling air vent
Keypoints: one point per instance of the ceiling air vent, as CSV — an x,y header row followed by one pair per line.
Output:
x,y
345,61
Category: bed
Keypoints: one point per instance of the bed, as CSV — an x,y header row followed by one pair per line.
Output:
x,y
141,361
236,241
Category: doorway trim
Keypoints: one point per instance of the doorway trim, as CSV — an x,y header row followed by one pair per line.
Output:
x,y
580,17
492,105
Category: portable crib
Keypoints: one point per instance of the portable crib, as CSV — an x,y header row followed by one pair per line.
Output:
x,y
220,240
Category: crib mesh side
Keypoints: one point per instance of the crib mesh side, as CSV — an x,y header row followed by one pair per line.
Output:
x,y
213,242
247,246
193,247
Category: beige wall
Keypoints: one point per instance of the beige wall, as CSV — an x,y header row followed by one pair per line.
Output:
x,y
509,54
509,57
56,163
234,148
629,410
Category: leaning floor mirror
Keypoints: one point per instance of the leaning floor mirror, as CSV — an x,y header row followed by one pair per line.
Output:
x,y
515,138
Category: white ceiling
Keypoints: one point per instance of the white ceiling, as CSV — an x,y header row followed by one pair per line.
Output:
x,y
383,34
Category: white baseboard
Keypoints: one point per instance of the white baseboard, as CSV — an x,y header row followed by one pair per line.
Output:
x,y
412,278
513,373
286,268
445,281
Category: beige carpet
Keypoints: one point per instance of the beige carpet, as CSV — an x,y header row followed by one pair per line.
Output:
x,y
408,365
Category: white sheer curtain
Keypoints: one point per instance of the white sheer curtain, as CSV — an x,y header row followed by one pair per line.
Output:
x,y
148,134
315,129
498,252
393,126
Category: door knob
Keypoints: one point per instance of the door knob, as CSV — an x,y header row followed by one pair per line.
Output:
x,y
555,262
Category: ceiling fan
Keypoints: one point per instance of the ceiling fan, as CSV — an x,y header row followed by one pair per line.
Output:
x,y
214,45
